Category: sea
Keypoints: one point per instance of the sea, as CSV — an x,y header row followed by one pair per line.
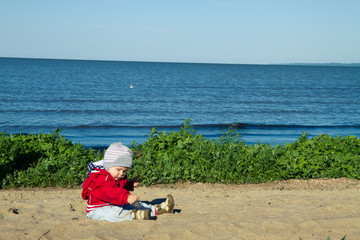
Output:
x,y
96,103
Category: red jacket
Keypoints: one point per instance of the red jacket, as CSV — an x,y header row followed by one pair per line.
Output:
x,y
101,189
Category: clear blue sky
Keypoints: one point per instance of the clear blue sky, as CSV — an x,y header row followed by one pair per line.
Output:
x,y
220,31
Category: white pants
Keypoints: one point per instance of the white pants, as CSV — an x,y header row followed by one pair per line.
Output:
x,y
115,213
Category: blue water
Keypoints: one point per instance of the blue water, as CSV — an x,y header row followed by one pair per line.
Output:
x,y
93,103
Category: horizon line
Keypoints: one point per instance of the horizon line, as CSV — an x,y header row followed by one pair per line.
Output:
x,y
183,62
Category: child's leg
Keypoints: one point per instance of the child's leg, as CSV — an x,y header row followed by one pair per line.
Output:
x,y
167,206
110,213
142,206
114,213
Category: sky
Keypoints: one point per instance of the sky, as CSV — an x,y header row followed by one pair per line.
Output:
x,y
205,31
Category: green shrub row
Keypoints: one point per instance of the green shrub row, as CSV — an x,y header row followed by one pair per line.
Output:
x,y
186,156
39,160
51,160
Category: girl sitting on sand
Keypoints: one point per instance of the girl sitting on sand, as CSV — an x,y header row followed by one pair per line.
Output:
x,y
107,190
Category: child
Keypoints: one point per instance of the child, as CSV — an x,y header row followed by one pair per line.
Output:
x,y
107,190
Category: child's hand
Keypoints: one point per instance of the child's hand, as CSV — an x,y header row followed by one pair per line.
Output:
x,y
137,181
132,199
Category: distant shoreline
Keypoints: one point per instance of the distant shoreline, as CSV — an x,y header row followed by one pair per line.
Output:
x,y
323,64
220,63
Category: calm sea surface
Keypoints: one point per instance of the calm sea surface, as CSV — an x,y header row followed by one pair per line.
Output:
x,y
94,104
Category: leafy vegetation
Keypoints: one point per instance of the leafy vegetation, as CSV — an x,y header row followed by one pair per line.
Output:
x,y
186,156
50,159
42,160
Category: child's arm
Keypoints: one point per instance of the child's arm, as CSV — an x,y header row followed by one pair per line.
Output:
x,y
136,181
132,198
131,184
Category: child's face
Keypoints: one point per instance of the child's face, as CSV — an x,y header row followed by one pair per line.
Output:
x,y
118,172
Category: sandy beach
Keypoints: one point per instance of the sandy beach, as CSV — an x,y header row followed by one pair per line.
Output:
x,y
293,209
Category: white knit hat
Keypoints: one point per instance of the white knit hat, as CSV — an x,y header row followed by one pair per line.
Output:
x,y
118,155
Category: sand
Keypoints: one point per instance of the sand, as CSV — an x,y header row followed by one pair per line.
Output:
x,y
294,209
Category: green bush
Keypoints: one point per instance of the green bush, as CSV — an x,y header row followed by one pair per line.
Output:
x,y
51,160
42,160
321,157
186,156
